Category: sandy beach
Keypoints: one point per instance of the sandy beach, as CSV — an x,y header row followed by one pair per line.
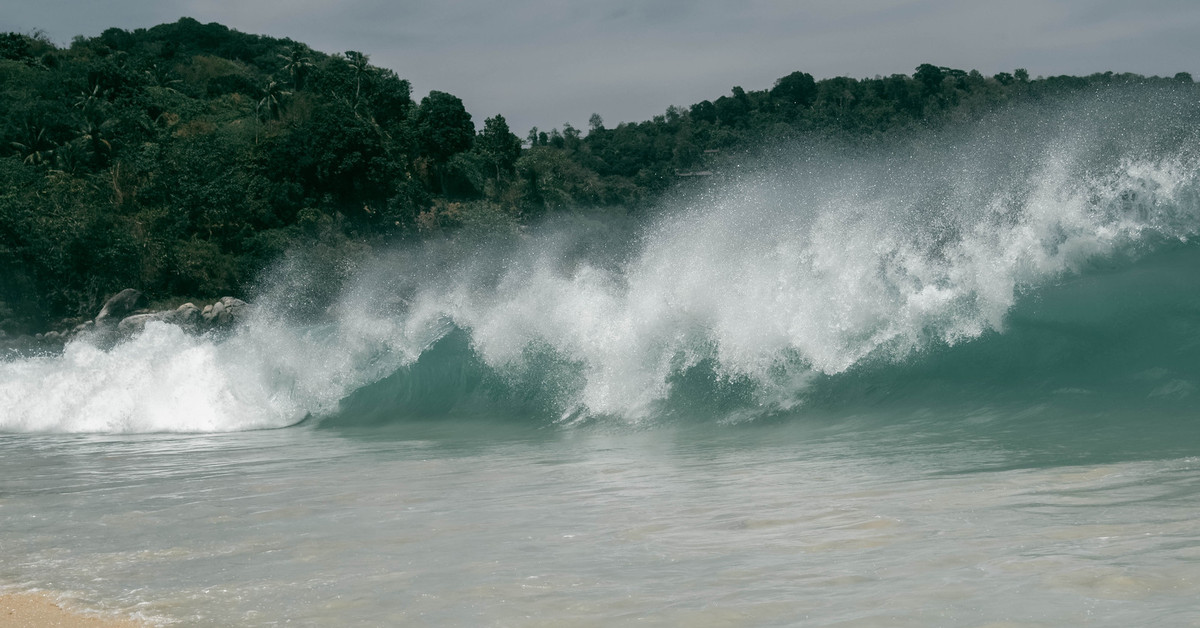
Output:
x,y
36,610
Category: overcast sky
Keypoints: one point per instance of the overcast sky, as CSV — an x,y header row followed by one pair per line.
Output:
x,y
546,62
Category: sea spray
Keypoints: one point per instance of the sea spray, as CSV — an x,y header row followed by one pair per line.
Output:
x,y
767,293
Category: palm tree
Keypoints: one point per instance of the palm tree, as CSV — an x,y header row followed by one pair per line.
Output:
x,y
296,63
161,77
91,135
36,147
272,99
70,157
90,102
360,68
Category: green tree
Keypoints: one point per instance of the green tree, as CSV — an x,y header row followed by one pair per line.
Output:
x,y
16,46
296,63
271,103
443,126
160,76
93,136
360,70
391,97
571,136
35,147
499,144
732,111
930,77
704,111
797,89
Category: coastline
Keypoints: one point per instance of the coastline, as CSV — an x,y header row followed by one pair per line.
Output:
x,y
40,610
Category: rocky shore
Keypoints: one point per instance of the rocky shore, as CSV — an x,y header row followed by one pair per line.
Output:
x,y
125,314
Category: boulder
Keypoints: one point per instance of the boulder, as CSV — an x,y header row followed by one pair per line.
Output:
x,y
137,322
119,306
212,314
225,314
187,316
238,309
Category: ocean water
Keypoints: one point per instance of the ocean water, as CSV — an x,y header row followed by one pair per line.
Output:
x,y
946,379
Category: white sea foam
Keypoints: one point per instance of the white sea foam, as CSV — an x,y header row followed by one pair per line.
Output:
x,y
268,375
161,380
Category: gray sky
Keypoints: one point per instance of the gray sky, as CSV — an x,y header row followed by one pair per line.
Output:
x,y
546,62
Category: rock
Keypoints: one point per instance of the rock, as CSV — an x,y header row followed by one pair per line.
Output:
x,y
187,316
119,306
212,314
123,316
238,309
137,322
64,326
225,314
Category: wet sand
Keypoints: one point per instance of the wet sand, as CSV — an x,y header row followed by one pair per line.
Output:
x,y
36,610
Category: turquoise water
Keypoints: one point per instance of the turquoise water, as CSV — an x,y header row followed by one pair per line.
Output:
x,y
948,379
859,523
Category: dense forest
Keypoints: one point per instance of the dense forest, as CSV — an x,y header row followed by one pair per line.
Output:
x,y
182,159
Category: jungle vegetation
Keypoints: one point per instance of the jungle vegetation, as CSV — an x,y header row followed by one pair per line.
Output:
x,y
183,159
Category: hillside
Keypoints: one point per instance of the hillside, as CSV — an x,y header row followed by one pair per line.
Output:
x,y
184,158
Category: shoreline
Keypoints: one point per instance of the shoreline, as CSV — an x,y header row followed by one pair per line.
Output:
x,y
37,609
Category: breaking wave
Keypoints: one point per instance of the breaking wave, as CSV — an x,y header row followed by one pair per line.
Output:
x,y
1042,257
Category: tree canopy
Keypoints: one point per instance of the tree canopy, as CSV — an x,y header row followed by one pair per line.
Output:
x,y
183,158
